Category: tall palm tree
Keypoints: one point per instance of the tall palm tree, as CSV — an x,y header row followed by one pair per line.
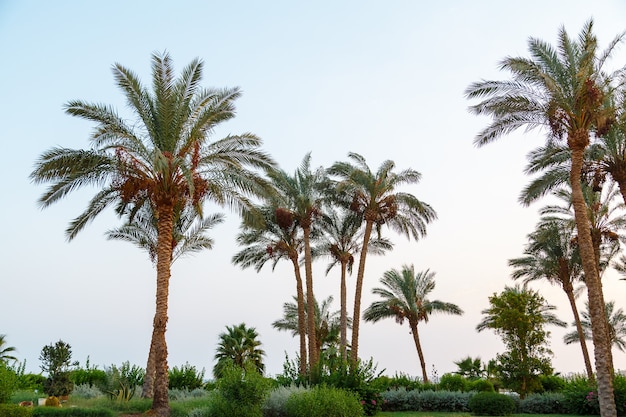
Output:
x,y
6,352
617,327
564,90
302,195
265,239
240,346
375,197
552,256
163,158
405,296
188,237
341,240
327,323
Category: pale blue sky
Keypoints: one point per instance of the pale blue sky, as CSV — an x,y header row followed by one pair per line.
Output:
x,y
384,79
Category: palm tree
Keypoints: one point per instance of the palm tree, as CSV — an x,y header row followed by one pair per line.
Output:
x,y
6,351
405,296
302,195
265,239
240,346
552,256
327,323
617,327
564,90
188,237
341,239
162,158
375,197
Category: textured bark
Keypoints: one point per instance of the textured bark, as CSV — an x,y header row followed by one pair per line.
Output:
x,y
418,346
160,401
310,299
301,315
592,280
579,328
356,317
343,315
147,389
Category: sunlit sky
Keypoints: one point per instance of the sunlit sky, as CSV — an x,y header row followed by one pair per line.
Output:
x,y
383,79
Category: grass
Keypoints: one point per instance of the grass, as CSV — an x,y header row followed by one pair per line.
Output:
x,y
438,414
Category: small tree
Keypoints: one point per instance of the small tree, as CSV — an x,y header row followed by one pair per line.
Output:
x,y
519,315
56,360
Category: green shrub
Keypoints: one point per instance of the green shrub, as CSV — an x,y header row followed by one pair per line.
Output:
x,y
438,401
92,377
453,382
8,382
481,385
241,392
274,405
546,403
14,410
491,404
86,391
58,384
71,412
581,396
552,383
323,401
185,377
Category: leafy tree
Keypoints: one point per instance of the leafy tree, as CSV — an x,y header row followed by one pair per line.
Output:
x,y
551,255
238,346
616,319
518,315
162,158
405,296
565,90
56,360
6,352
376,198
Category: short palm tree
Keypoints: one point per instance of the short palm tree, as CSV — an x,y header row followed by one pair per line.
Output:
x,y
188,237
375,196
405,296
240,346
617,327
6,352
564,90
163,157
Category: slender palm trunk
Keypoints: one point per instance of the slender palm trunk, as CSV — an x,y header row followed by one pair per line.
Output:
x,y
310,298
418,346
301,315
596,239
343,315
592,280
579,328
147,389
160,401
356,316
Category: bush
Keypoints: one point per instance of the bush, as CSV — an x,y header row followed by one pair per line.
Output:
x,y
86,391
71,412
8,382
241,392
439,401
547,403
581,397
58,384
481,385
13,410
552,383
323,401
453,382
274,405
91,377
185,377
491,404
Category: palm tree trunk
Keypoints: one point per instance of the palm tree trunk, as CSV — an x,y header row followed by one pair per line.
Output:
x,y
343,315
310,298
147,389
418,346
581,336
356,316
592,280
301,315
160,402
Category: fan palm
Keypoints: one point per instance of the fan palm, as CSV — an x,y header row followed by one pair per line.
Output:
x,y
617,327
188,237
6,352
564,90
405,296
163,158
240,346
376,198
266,240
552,256
341,239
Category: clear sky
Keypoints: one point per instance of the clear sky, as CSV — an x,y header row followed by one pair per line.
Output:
x,y
383,79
